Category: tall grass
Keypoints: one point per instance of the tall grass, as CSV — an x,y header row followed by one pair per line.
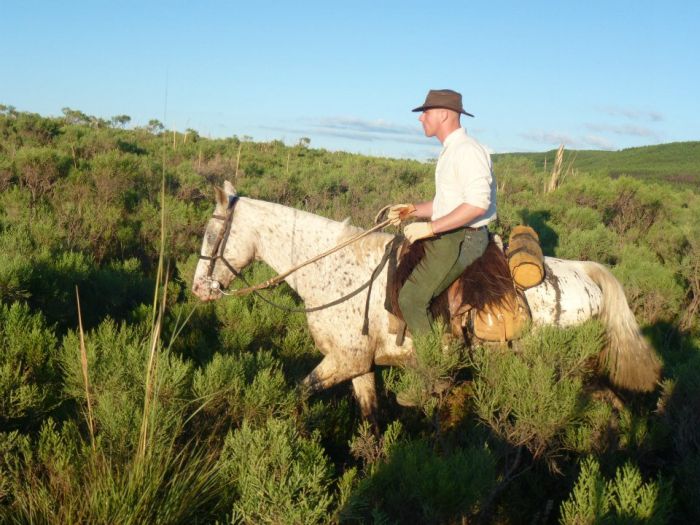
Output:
x,y
84,367
170,478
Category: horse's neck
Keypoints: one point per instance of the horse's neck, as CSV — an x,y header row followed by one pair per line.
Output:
x,y
286,237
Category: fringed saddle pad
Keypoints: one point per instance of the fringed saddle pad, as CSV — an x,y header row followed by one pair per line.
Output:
x,y
480,295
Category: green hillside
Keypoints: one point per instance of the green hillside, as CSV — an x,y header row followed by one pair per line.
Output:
x,y
677,162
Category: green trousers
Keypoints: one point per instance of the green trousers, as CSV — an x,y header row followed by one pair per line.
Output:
x,y
446,257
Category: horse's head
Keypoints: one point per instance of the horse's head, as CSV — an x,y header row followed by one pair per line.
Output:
x,y
227,247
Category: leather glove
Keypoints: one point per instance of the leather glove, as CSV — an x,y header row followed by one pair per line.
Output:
x,y
400,212
418,230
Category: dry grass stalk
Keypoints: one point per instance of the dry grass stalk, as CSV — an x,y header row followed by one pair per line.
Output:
x,y
84,365
156,325
556,171
238,159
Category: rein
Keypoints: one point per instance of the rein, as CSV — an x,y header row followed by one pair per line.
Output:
x,y
220,245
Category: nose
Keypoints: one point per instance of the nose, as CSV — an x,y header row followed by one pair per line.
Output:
x,y
201,290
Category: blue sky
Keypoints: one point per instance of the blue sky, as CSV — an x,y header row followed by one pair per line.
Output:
x,y
593,75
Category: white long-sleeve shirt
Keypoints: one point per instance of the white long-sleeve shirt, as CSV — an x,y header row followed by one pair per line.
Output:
x,y
464,174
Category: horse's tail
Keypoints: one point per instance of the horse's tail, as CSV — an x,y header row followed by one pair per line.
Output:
x,y
629,359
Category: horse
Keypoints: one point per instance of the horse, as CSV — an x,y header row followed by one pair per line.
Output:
x,y
283,237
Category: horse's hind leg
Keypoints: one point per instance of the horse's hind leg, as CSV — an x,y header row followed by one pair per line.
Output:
x,y
366,394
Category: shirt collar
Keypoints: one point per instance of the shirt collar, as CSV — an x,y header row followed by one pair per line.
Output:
x,y
454,137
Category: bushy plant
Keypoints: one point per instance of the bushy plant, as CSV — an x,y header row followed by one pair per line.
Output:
x,y
438,358
243,386
276,475
29,374
116,361
61,479
530,397
652,289
625,499
414,484
598,244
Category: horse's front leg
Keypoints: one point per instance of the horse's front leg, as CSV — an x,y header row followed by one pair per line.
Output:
x,y
365,391
332,370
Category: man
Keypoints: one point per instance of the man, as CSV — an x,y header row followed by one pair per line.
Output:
x,y
464,204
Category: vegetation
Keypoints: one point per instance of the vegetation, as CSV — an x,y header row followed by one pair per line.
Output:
x,y
154,408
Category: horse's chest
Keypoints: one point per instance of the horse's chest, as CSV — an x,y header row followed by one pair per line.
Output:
x,y
566,297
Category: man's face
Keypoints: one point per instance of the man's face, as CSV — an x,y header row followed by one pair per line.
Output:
x,y
431,120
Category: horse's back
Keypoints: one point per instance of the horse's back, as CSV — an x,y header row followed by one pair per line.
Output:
x,y
567,295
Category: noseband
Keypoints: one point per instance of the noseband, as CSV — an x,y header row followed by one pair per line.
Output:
x,y
217,252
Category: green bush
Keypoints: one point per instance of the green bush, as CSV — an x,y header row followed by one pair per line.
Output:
x,y
117,358
29,375
243,386
598,244
529,398
276,475
626,499
61,479
414,484
652,289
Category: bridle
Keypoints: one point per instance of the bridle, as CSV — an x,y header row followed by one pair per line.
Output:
x,y
217,252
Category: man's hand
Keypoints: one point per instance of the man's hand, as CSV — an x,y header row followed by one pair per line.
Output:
x,y
418,230
400,212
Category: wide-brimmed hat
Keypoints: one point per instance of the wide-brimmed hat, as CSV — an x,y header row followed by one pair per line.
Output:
x,y
443,98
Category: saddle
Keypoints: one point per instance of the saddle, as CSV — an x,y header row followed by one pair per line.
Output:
x,y
482,304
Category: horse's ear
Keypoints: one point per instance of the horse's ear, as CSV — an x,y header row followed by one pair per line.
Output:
x,y
229,189
221,198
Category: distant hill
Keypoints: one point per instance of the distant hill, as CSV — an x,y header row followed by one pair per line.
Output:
x,y
676,162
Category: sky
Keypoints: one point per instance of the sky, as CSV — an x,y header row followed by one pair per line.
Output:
x,y
591,75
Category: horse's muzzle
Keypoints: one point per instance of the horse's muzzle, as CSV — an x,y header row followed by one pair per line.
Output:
x,y
207,290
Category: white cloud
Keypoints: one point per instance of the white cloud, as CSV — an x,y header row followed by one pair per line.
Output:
x,y
632,114
598,142
551,139
548,137
358,129
628,129
367,126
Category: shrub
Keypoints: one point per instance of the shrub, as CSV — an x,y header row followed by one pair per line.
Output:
x,y
276,475
625,499
29,374
117,370
529,398
61,479
416,485
598,244
651,288
247,386
436,365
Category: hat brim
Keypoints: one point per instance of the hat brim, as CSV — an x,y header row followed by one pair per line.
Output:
x,y
423,108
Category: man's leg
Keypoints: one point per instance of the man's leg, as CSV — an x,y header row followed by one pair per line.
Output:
x,y
445,259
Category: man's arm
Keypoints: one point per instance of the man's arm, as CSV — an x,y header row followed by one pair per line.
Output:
x,y
460,216
424,210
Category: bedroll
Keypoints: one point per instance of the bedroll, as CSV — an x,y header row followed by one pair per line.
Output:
x,y
525,258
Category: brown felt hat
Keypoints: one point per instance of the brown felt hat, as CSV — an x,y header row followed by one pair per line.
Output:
x,y
443,98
